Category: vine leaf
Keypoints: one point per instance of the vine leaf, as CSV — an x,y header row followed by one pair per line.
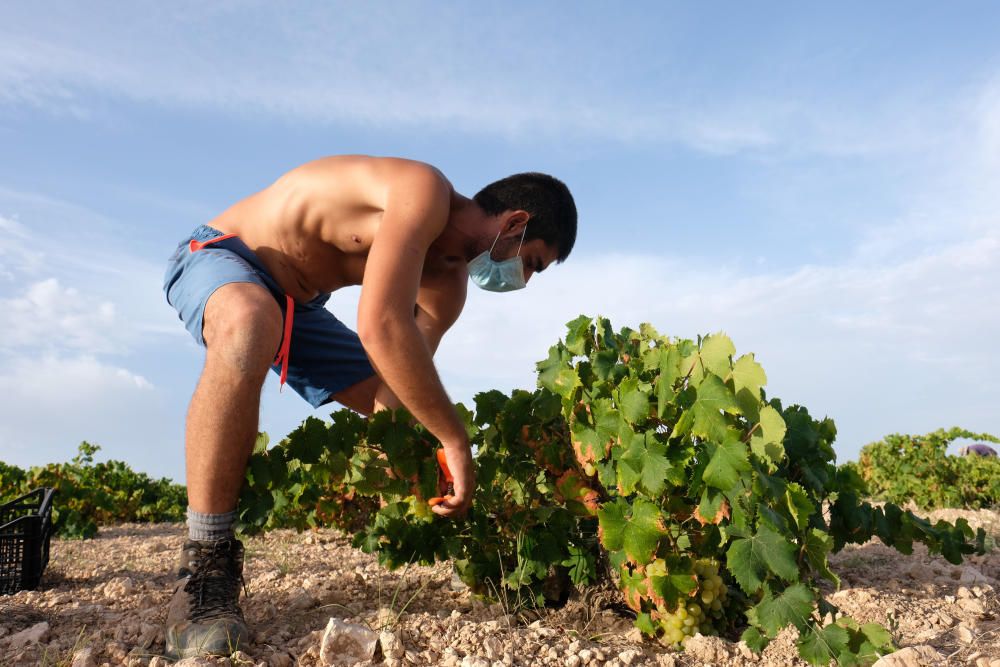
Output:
x,y
767,437
713,507
668,582
670,370
819,646
713,398
751,559
636,529
754,639
587,444
792,607
633,401
727,463
817,546
748,375
607,420
643,464
633,586
799,505
308,442
580,499
581,564
579,335
716,352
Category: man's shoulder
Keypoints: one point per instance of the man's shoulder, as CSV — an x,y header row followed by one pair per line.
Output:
x,y
379,168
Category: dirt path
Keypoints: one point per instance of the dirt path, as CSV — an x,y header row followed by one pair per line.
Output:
x,y
104,601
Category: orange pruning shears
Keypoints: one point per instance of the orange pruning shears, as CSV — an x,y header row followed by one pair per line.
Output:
x,y
448,478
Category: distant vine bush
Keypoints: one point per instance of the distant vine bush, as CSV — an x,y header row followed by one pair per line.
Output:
x,y
918,469
654,462
91,494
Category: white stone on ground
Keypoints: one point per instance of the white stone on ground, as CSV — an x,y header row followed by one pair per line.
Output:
x,y
346,643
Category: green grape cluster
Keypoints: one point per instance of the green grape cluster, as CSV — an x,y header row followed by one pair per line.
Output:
x,y
703,608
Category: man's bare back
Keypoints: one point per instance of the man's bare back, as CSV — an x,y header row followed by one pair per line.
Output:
x,y
314,226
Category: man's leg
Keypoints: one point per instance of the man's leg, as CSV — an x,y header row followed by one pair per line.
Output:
x,y
360,397
242,330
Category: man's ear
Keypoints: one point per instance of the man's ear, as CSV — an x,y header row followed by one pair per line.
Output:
x,y
514,222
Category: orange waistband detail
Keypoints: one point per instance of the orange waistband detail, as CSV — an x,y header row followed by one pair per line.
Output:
x,y
198,245
286,338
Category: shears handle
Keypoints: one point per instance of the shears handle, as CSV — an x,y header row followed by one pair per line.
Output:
x,y
443,462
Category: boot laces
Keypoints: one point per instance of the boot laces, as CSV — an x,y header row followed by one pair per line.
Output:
x,y
215,580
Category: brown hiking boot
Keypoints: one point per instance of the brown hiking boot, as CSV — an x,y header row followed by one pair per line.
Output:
x,y
204,617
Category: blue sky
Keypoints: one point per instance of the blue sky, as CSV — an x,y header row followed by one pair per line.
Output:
x,y
818,182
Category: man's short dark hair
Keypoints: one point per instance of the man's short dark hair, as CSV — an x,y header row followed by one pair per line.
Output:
x,y
545,198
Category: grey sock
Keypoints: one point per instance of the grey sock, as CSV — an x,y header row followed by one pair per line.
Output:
x,y
210,527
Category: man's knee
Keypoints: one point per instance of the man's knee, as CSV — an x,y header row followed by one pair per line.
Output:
x,y
242,326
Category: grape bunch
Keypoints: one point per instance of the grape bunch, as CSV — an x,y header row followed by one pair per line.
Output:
x,y
700,611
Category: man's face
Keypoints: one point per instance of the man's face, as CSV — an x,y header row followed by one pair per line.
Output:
x,y
536,255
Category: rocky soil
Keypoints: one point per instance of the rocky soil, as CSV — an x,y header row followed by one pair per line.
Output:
x,y
103,602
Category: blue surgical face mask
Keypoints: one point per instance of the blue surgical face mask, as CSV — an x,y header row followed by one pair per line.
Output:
x,y
503,276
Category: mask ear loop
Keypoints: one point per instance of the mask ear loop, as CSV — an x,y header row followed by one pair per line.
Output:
x,y
495,243
524,231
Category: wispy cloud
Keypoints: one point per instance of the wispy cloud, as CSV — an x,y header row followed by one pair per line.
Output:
x,y
51,316
371,65
52,402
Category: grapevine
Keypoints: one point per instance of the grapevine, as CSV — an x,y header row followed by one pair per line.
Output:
x,y
654,461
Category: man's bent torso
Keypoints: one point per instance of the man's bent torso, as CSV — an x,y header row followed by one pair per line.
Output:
x,y
314,226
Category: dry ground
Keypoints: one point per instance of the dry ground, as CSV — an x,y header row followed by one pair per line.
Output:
x,y
104,602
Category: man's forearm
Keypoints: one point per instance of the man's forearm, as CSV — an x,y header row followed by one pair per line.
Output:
x,y
404,362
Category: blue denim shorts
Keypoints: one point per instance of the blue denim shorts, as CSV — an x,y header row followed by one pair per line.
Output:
x,y
324,356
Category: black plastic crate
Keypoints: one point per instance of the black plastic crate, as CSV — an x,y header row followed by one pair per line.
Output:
x,y
25,531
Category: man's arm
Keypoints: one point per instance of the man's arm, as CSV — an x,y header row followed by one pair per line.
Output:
x,y
415,212
438,308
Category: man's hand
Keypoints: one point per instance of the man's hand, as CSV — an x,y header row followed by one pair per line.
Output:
x,y
459,462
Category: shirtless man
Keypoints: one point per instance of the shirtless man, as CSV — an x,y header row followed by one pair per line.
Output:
x,y
255,281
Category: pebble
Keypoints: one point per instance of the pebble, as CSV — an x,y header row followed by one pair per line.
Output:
x,y
346,643
744,650
964,634
971,576
32,635
972,606
586,655
301,600
628,656
85,658
118,588
920,572
392,646
493,648
912,656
